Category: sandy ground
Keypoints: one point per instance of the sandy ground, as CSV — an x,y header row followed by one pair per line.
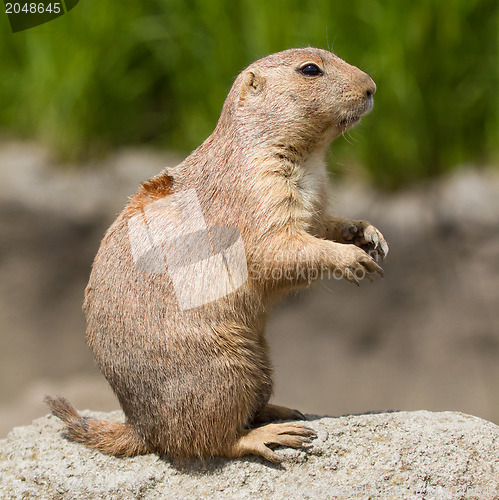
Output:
x,y
425,337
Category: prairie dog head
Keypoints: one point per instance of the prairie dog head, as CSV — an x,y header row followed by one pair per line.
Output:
x,y
309,95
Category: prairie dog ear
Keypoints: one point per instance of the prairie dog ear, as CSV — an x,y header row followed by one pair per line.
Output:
x,y
252,83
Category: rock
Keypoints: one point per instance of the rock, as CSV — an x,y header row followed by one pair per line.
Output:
x,y
387,455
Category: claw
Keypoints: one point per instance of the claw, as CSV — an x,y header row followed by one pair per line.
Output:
x,y
384,249
380,271
350,276
298,415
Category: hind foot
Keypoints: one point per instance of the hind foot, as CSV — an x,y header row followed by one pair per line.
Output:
x,y
262,440
275,412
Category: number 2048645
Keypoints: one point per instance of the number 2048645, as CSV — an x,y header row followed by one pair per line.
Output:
x,y
33,8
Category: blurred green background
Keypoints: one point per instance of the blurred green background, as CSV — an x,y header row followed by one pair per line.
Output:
x,y
156,72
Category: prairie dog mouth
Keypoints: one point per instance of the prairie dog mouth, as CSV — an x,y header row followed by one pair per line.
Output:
x,y
369,104
358,110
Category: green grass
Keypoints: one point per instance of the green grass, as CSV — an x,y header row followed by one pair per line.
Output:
x,y
157,72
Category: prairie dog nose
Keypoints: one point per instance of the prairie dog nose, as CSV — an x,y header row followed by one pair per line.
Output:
x,y
369,85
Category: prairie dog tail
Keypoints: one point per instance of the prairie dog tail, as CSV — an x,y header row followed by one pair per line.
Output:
x,y
112,438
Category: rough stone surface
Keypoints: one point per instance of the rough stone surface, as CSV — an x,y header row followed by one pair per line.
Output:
x,y
387,455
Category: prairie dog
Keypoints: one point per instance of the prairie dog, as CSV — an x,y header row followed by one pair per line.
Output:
x,y
181,286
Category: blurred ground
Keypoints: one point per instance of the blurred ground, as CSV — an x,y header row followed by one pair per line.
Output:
x,y
425,337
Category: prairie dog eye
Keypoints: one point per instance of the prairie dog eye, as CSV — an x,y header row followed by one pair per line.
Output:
x,y
310,69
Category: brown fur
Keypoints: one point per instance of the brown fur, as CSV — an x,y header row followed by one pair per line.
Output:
x,y
192,382
111,438
152,190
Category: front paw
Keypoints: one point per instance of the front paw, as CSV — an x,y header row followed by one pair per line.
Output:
x,y
363,234
353,264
